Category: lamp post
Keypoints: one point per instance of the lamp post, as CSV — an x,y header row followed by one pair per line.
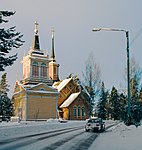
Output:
x,y
128,67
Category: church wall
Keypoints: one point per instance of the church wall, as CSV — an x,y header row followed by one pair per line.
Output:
x,y
20,105
41,106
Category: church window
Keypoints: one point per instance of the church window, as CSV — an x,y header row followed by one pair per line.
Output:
x,y
42,89
35,69
74,111
43,70
54,70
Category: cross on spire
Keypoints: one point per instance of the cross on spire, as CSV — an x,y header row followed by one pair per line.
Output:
x,y
52,30
52,53
36,28
36,44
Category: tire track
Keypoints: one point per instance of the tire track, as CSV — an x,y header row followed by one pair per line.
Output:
x,y
61,142
30,139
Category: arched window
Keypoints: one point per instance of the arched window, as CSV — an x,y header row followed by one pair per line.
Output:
x,y
78,110
74,111
83,111
43,70
35,69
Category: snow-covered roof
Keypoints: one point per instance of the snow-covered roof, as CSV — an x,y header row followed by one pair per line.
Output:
x,y
43,92
70,99
62,84
30,86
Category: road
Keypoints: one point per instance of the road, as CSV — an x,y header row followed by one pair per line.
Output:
x,y
70,138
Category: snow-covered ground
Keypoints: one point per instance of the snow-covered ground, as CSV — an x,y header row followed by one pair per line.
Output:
x,y
15,129
120,137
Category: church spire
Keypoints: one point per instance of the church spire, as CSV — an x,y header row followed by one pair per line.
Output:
x,y
35,44
52,57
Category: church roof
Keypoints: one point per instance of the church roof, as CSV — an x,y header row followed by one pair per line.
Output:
x,y
62,84
52,57
36,44
70,99
35,88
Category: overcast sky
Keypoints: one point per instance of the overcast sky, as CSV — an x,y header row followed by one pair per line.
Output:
x,y
73,21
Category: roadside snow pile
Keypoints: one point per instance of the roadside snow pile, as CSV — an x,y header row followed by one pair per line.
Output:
x,y
119,138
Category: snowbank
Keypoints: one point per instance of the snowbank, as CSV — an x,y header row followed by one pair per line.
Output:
x,y
120,137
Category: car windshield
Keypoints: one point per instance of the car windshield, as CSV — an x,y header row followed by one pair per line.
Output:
x,y
98,120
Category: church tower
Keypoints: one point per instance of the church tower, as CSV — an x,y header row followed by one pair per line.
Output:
x,y
34,97
36,63
53,66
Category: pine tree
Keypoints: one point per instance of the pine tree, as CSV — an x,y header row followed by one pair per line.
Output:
x,y
134,91
102,103
115,104
9,39
6,106
123,105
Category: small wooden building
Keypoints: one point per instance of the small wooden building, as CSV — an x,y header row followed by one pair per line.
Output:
x,y
73,101
75,107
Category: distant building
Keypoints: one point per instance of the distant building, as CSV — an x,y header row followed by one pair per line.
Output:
x,y
34,97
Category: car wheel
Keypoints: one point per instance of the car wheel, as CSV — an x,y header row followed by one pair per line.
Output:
x,y
87,130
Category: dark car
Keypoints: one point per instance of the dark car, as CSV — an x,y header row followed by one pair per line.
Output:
x,y
95,124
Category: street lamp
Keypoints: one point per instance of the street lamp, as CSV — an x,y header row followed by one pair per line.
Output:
x,y
128,67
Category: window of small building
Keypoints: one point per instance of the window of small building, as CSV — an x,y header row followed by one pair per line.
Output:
x,y
70,86
83,111
66,90
79,100
78,110
60,96
35,69
43,70
74,111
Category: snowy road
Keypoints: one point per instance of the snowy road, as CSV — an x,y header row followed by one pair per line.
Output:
x,y
60,136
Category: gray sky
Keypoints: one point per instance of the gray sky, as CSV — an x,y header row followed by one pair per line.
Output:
x,y
73,21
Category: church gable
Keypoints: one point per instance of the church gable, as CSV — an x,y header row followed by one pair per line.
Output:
x,y
43,87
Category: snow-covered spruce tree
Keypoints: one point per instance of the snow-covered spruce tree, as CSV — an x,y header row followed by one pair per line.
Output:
x,y
6,107
102,112
115,104
9,39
